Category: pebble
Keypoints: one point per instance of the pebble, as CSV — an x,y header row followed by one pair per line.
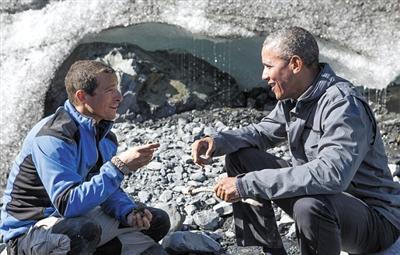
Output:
x,y
144,196
166,196
154,166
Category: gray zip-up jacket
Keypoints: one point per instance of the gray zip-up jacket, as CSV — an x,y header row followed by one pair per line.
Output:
x,y
335,146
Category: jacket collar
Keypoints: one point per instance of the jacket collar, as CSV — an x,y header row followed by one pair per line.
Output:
x,y
324,79
100,129
321,83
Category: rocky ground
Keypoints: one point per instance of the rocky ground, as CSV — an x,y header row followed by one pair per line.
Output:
x,y
164,182
201,223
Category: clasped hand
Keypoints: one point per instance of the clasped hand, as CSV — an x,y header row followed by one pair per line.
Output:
x,y
139,220
226,189
204,146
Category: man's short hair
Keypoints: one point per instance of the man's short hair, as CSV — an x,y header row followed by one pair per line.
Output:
x,y
82,75
294,41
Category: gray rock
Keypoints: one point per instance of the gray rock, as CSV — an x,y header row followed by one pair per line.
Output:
x,y
223,208
165,196
207,219
155,166
183,242
144,196
230,234
193,183
200,177
197,131
190,209
130,190
209,131
178,188
211,201
189,221
188,138
187,159
182,122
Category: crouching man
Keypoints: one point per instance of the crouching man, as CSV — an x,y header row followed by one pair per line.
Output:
x,y
63,193
337,186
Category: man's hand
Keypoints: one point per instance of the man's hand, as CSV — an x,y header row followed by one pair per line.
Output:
x,y
204,146
226,189
139,220
138,156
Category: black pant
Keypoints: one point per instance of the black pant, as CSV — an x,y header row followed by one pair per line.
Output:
x,y
84,235
325,224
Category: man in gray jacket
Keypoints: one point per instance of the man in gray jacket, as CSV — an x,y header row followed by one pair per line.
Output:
x,y
337,187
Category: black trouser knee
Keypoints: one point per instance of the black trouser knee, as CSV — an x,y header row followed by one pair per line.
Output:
x,y
160,224
316,221
251,159
159,227
83,233
255,225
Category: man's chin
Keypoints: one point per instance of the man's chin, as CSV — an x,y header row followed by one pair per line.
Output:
x,y
111,117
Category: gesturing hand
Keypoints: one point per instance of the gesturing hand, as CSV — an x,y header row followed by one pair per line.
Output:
x,y
204,146
139,220
138,156
226,189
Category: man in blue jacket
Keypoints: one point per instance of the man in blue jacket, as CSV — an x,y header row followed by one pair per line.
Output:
x,y
337,187
63,194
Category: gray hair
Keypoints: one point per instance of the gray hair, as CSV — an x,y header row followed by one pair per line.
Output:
x,y
294,41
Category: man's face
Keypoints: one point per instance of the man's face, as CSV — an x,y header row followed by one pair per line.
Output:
x,y
103,104
278,74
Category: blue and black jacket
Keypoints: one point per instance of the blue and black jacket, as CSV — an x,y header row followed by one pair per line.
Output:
x,y
63,170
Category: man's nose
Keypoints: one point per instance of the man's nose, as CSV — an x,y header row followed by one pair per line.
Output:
x,y
119,95
265,74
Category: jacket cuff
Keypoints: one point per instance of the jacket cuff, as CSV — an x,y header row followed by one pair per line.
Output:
x,y
124,214
240,186
116,170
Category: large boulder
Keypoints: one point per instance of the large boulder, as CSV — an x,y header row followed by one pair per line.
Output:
x,y
153,84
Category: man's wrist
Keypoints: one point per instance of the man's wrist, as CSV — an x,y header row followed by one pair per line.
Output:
x,y
120,165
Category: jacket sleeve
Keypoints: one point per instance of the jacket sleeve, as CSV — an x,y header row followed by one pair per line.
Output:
x,y
118,205
347,134
72,196
266,134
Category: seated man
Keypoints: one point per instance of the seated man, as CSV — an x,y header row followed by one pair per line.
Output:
x,y
337,187
63,194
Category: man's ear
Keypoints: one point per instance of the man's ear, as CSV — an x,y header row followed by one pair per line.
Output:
x,y
80,96
296,64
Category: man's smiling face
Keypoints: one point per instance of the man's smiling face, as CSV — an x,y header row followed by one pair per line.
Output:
x,y
278,74
103,104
